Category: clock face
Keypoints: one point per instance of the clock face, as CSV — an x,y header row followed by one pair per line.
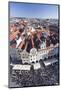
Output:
x,y
33,51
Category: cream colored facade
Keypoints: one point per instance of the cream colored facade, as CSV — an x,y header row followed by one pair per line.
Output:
x,y
35,56
25,57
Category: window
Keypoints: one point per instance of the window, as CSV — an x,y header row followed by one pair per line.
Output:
x,y
42,52
33,62
36,61
42,47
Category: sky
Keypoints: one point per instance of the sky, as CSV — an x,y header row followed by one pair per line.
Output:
x,y
30,10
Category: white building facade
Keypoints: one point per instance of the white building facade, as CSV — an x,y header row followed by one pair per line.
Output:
x,y
34,55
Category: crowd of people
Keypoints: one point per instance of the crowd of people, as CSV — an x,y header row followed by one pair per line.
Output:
x,y
40,77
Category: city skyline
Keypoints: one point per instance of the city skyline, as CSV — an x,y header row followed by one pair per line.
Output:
x,y
30,10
